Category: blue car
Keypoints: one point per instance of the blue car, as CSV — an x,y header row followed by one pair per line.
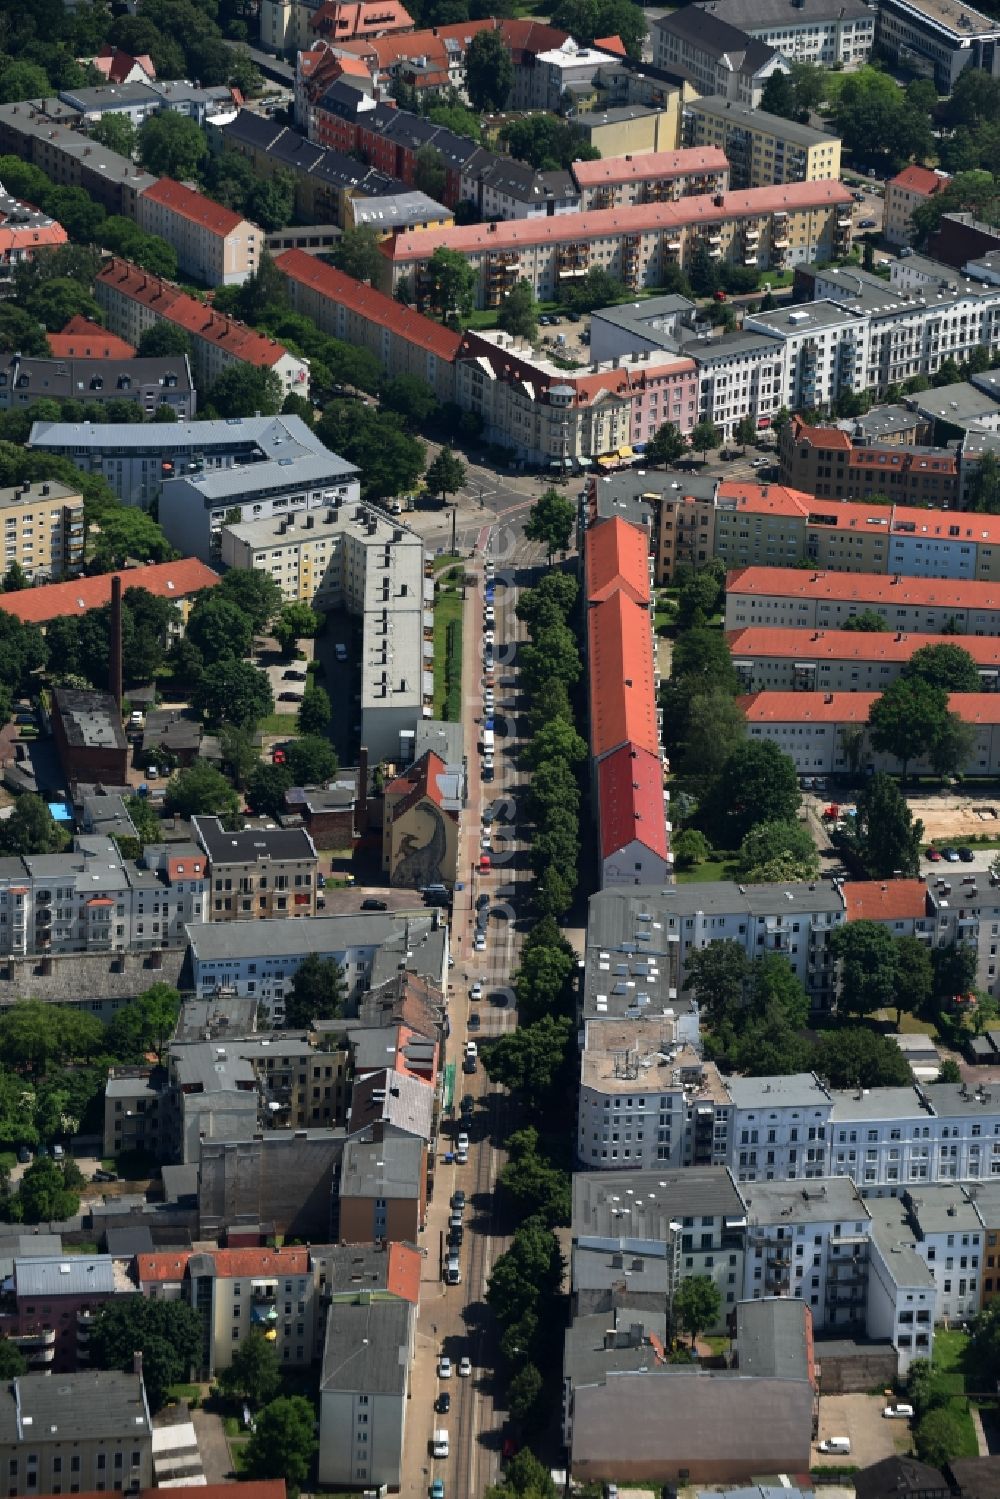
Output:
x,y
437,1489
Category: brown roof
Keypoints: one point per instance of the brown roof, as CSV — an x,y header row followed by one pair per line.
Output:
x,y
617,556
884,900
167,580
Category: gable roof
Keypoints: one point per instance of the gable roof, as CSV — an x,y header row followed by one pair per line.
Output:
x,y
622,689
689,161
165,1265
916,179
616,556
630,801
419,780
884,900
167,580
82,338
194,206
864,588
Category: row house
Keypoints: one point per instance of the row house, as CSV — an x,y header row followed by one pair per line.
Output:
x,y
259,872
762,149
654,177
215,245
769,658
821,600
829,462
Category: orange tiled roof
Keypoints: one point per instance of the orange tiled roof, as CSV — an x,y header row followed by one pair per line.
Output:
x,y
194,206
231,1264
353,18
612,44
919,180
179,868
416,782
617,556
169,302
403,1279
788,643
163,1266
820,437
622,687
864,588
630,801
82,338
854,707
596,223
167,580
691,161
116,65
386,312
884,900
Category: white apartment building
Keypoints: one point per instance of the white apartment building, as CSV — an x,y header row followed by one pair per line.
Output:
x,y
215,245
900,1137
902,1296
779,1127
740,374
838,660
720,57
828,32
810,1243
92,900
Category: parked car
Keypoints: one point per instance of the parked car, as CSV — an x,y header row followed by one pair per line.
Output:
x,y
476,992
437,1489
278,756
950,855
371,904
464,1367
482,900
340,651
966,855
444,1367
458,1198
898,1411
474,1021
868,224
443,1405
293,674
934,854
289,697
479,942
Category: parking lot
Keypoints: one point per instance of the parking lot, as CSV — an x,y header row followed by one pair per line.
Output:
x,y
860,1418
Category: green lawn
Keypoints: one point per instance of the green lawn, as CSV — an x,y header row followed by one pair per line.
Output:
x,y
712,869
448,666
279,723
950,1348
446,560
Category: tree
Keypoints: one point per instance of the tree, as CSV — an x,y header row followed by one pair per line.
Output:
x,y
697,1304
171,145
914,977
31,828
866,953
164,339
907,718
855,1057
537,1188
283,1441
717,977
57,300
954,971
266,788
233,692
430,172
778,97
598,288
666,445
716,725
12,1361
874,119
705,436
946,666
451,282
22,80
690,848
949,1071
200,790
390,460
531,1060
699,595
271,201
886,838
518,313
746,427
940,1436
243,389
43,1195
124,533
254,1373
556,740
218,628
489,72
357,253
145,1024
256,594
115,131
867,622
774,851
318,992
586,20
525,1389
411,398
982,490
445,474
171,1330
315,711
295,622
953,745
311,760
757,783
551,521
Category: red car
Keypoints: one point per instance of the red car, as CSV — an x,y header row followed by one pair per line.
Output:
x,y
278,756
934,854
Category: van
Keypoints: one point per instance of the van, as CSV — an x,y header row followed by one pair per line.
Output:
x,y
839,1445
439,1444
489,741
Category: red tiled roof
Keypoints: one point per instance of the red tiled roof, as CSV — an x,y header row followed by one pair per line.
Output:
x,y
163,1266
610,44
403,1279
864,588
418,781
919,180
617,556
622,687
708,208
514,365
691,161
179,868
116,65
884,900
630,801
169,302
374,305
82,338
31,236
342,18
167,580
194,206
787,643
820,437
854,707
231,1264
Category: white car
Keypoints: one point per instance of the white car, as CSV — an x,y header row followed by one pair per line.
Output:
x,y
444,1367
485,841
476,992
488,614
479,944
898,1411
465,1367
489,636
461,1157
471,1050
462,1143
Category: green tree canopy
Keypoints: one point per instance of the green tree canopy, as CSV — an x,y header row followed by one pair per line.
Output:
x,y
445,473
200,790
218,627
145,1024
855,1057
169,1330
778,851
697,1304
946,666
318,992
243,389
357,253
518,313
43,1196
886,837
489,72
254,1373
315,711
551,521
255,593
31,828
283,1442
666,445
757,783
311,760
868,621
907,718
172,145
233,692
866,953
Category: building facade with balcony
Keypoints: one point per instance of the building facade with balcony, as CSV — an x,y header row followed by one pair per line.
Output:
x,y
43,529
762,149
654,177
55,1298
811,1243
241,1291
258,873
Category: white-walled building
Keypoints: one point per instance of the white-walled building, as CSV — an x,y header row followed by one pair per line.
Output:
x,y
821,600
779,1127
811,1243
828,32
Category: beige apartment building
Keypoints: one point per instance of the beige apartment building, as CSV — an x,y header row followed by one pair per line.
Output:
x,y
242,1291
213,244
75,1433
762,149
258,873
42,529
651,177
769,227
909,189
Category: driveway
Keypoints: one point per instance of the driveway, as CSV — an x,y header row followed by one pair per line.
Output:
x,y
213,1446
860,1418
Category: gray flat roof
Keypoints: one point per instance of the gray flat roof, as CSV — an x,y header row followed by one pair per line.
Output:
x,y
275,436
251,845
739,341
799,1090
382,1168
942,1208
212,941
210,1066
91,720
367,1347
741,115
637,1207
875,1103
587,1359
833,1198
73,1407
761,15
65,1275
807,317
961,402
771,1338
881,420
894,1235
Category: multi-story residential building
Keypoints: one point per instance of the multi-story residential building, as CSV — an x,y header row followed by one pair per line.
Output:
x,y
811,31
135,1111
678,515
258,873
295,478
24,233
214,245
827,461
642,327
823,732
349,20
741,374
82,338
382,1189
769,658
824,600
779,1126
138,99
261,964
150,383
773,227
240,1291
76,1434
947,1232
902,1295
363,1391
133,301
177,581
43,529
762,149
719,57
937,38
620,181
404,341
44,132
51,1306
811,1243
553,416
137,459
909,189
